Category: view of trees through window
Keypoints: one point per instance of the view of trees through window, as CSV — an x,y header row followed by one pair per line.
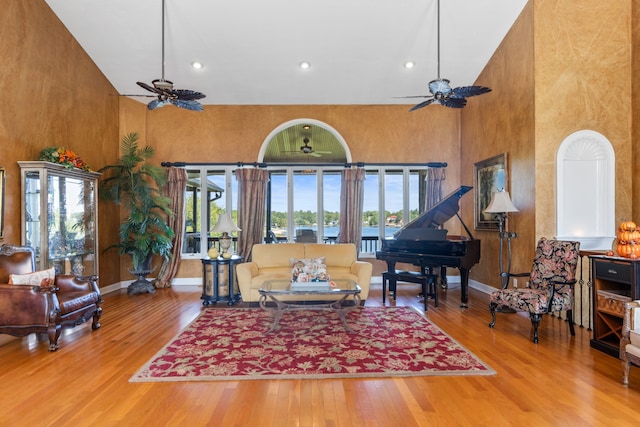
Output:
x,y
304,205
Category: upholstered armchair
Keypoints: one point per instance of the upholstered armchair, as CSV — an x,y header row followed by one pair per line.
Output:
x,y
630,342
42,302
550,287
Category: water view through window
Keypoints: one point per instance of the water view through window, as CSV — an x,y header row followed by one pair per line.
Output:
x,y
305,204
306,217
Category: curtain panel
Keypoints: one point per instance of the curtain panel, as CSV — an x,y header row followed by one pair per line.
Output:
x,y
175,189
351,205
252,194
434,179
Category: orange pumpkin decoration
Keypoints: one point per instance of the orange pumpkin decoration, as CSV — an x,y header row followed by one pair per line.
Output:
x,y
628,226
629,236
627,242
628,250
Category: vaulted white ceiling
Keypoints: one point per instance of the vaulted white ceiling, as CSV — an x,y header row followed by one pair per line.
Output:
x,y
251,49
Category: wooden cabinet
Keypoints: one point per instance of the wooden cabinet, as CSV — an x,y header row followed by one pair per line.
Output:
x,y
615,281
218,283
59,217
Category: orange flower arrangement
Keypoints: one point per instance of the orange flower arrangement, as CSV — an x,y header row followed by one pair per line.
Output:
x,y
64,157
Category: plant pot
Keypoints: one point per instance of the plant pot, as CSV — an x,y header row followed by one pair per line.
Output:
x,y
142,285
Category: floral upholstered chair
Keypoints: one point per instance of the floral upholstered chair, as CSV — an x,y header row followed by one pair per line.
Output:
x,y
550,286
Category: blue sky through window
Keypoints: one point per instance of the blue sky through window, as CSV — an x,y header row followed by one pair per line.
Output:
x,y
305,184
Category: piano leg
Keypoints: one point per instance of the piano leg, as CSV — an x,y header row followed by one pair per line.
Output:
x,y
384,288
388,277
443,278
464,287
391,270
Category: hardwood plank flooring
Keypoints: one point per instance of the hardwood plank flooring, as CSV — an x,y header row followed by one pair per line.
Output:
x,y
560,381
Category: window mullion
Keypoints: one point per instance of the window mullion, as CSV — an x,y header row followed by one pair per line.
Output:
x,y
204,204
319,192
290,219
406,205
381,200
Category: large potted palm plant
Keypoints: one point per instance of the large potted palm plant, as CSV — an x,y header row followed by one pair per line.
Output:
x,y
137,186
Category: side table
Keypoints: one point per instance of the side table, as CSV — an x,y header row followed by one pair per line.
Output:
x,y
212,282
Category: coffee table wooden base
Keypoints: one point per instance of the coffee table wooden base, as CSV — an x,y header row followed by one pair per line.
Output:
x,y
282,306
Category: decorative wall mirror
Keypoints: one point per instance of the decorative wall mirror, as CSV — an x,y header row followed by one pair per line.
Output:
x,y
2,202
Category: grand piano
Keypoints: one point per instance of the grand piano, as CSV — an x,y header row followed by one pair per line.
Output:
x,y
424,243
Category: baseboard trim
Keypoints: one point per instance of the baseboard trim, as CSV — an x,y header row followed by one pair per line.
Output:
x,y
481,287
454,282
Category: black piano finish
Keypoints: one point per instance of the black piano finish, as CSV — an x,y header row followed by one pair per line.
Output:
x,y
423,243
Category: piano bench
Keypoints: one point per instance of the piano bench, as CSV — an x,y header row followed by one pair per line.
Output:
x,y
429,284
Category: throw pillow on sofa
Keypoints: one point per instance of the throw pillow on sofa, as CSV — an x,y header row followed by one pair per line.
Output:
x,y
38,278
308,270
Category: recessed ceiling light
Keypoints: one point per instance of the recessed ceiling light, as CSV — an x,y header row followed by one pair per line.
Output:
x,y
197,65
305,65
409,64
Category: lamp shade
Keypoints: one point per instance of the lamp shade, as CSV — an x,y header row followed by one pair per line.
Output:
x,y
500,203
225,224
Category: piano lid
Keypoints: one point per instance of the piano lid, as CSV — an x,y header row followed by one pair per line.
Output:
x,y
439,214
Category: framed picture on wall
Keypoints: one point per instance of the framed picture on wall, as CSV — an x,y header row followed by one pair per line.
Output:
x,y
490,175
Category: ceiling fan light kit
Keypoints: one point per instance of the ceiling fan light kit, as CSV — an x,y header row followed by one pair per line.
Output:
x,y
441,91
162,84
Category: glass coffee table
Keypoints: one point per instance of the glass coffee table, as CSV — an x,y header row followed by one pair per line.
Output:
x,y
330,296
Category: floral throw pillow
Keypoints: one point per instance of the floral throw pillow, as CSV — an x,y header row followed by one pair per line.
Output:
x,y
33,279
308,270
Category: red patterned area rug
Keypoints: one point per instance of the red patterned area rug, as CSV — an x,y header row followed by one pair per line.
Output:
x,y
232,344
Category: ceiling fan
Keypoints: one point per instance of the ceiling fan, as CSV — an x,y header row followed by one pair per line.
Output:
x,y
441,91
307,149
164,91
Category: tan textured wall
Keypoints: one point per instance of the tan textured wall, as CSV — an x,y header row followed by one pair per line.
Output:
x,y
52,95
503,121
559,70
583,81
578,77
635,91
374,134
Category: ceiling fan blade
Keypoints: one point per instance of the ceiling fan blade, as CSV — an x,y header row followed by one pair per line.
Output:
x,y
315,154
150,88
156,103
453,102
188,94
138,95
414,96
423,104
187,104
467,91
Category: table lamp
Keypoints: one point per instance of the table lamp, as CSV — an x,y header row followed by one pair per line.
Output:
x,y
225,225
501,205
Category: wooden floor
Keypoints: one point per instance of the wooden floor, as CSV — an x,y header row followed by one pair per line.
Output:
x,y
559,382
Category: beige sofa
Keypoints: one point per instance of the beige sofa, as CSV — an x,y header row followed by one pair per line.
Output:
x,y
272,261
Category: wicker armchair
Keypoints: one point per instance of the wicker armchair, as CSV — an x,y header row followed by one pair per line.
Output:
x,y
46,307
630,342
550,285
